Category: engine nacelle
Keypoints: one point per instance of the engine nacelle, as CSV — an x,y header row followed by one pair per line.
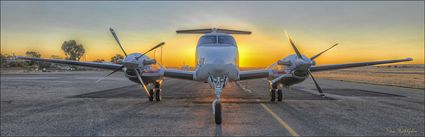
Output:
x,y
292,62
299,74
284,62
149,62
137,61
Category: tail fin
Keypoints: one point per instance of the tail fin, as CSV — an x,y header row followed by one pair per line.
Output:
x,y
203,31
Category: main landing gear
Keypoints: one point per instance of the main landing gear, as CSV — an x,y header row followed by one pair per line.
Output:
x,y
276,92
155,92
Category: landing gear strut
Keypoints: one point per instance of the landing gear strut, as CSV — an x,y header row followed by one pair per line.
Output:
x,y
217,105
279,95
276,92
218,84
151,94
217,112
158,95
156,92
272,95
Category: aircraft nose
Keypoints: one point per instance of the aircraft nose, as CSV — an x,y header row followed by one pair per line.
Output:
x,y
218,61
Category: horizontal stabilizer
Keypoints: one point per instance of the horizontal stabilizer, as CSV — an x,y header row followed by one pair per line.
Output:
x,y
203,31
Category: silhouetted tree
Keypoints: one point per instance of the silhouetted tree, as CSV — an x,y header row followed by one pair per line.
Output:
x,y
99,60
55,57
3,59
73,51
33,54
117,57
9,61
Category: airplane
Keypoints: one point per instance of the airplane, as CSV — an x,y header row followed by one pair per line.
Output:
x,y
217,63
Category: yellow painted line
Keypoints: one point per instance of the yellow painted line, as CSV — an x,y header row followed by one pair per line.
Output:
x,y
281,122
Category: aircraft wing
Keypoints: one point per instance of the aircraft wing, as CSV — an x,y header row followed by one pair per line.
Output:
x,y
243,75
180,74
351,65
253,74
71,62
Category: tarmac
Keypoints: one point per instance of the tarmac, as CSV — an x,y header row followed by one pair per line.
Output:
x,y
72,104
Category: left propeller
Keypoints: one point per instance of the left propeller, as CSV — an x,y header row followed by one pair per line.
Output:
x,y
120,68
299,56
122,49
136,70
157,46
117,40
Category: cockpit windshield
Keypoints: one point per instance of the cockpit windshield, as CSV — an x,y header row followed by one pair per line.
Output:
x,y
226,40
208,40
217,40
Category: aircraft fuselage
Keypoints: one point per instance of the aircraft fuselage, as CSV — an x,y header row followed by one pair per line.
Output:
x,y
216,56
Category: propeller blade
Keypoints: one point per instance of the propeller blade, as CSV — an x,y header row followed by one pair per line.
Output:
x,y
280,77
118,41
317,55
141,81
157,46
317,85
116,70
293,45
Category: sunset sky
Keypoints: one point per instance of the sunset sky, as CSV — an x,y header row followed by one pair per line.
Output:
x,y
366,31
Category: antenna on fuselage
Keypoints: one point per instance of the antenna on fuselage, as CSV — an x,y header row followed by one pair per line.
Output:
x,y
211,30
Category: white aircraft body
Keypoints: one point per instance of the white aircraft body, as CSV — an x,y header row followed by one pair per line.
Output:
x,y
217,63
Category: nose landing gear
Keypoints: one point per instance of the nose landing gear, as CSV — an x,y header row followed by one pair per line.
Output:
x,y
217,104
218,84
217,111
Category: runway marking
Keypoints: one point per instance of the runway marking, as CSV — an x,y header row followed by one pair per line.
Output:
x,y
281,122
243,87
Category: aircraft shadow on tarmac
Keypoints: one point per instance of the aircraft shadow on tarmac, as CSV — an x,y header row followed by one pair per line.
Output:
x,y
134,91
359,92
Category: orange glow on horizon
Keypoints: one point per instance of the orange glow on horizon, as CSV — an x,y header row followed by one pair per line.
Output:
x,y
365,31
255,50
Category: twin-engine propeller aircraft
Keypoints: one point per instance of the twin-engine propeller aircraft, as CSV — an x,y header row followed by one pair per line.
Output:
x,y
217,63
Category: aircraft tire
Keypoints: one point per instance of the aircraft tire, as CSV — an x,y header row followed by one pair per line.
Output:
x,y
158,95
279,95
217,113
151,95
272,95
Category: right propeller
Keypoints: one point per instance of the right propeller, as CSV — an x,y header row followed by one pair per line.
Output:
x,y
299,56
